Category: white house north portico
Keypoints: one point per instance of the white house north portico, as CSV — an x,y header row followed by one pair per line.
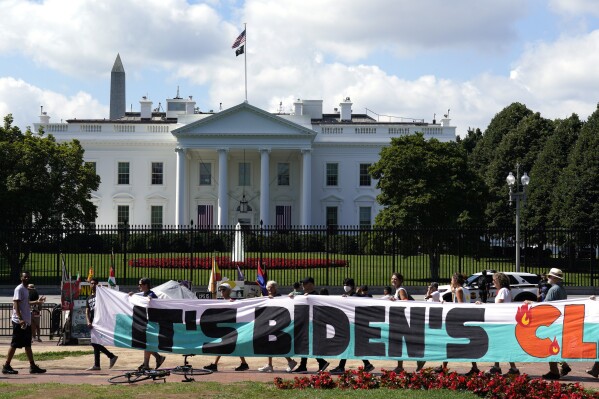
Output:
x,y
241,164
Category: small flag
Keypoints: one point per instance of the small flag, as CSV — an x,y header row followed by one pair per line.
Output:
x,y
240,276
240,39
239,51
261,279
112,278
214,277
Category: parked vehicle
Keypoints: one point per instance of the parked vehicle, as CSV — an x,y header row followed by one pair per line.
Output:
x,y
523,286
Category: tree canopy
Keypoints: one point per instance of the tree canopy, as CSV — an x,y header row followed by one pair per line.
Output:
x,y
43,185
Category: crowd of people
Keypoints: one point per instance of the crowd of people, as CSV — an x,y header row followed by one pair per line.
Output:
x,y
27,304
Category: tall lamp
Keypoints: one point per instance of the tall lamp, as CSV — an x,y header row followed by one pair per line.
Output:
x,y
517,196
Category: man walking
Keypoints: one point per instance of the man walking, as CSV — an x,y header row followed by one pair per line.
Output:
x,y
556,293
90,306
21,326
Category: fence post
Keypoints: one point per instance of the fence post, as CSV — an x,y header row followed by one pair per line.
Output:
x,y
191,251
394,233
592,257
125,239
460,250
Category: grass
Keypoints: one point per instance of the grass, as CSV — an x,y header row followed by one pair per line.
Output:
x,y
212,390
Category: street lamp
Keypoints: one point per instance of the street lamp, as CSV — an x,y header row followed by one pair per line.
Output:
x,y
517,195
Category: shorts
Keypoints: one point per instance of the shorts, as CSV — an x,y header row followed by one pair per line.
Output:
x,y
21,338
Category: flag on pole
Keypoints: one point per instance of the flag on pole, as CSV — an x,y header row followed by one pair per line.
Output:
x,y
240,276
112,278
262,279
90,274
239,51
240,39
65,273
214,277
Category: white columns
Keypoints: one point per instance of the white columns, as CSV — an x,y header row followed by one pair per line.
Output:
x,y
306,209
223,199
180,187
264,186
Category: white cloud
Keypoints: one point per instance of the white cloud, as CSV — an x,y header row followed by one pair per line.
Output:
x,y
23,100
575,7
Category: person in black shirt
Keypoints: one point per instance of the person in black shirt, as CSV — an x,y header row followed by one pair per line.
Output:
x,y
90,305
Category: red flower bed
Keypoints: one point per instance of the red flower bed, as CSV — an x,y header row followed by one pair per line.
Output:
x,y
226,263
483,385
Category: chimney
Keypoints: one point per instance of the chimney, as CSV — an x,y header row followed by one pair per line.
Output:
x,y
146,108
345,109
190,105
44,118
297,107
313,108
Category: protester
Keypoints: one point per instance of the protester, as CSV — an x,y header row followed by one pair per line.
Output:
x,y
387,293
145,286
296,289
542,288
557,292
349,289
432,293
90,305
363,291
21,327
483,287
503,295
36,312
272,288
225,291
308,288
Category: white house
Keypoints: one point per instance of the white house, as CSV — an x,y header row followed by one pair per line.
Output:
x,y
241,164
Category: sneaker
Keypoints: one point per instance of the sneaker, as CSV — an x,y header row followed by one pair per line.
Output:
x,y
398,370
266,369
291,365
323,366
300,369
143,367
495,370
160,360
39,340
512,371
6,369
34,369
473,371
242,367
594,372
368,367
439,369
337,370
93,368
113,361
419,365
565,369
211,367
551,376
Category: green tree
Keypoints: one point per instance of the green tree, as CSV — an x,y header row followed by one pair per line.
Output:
x,y
427,184
520,145
471,140
545,174
501,124
43,185
577,197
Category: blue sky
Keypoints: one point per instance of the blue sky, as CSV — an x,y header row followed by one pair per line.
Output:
x,y
394,57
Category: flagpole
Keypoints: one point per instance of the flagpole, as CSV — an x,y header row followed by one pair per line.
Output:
x,y
245,60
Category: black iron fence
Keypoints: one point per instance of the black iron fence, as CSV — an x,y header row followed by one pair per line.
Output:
x,y
370,256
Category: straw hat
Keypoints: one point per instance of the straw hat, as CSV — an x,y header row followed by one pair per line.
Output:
x,y
557,273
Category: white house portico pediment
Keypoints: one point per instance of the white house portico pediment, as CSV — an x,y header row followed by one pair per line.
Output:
x,y
243,120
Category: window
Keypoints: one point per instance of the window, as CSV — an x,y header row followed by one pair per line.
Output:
x,y
332,220
283,216
123,173
156,216
157,173
365,180
205,174
332,178
205,213
365,216
122,214
244,174
283,174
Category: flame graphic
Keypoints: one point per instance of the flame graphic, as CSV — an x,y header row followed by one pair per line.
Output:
x,y
524,315
554,347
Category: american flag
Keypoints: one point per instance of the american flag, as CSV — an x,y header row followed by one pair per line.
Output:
x,y
283,216
240,39
205,216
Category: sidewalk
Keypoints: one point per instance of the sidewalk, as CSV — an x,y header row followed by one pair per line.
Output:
x,y
73,371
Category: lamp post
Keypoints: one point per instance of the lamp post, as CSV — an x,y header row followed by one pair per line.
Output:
x,y
517,195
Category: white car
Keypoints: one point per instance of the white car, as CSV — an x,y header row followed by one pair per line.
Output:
x,y
523,285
